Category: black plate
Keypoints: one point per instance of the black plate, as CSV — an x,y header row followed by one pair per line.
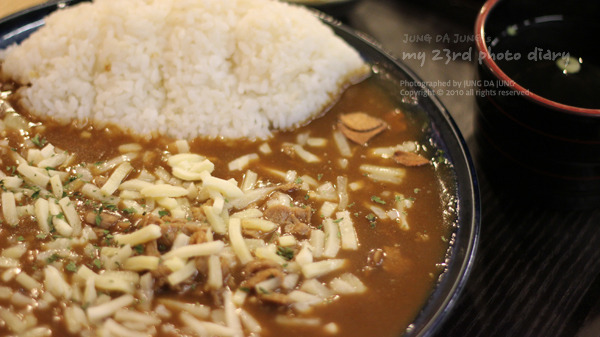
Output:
x,y
444,133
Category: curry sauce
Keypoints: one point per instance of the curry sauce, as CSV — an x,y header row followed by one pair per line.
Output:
x,y
402,227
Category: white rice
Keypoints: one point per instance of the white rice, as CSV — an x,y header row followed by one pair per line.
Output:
x,y
183,68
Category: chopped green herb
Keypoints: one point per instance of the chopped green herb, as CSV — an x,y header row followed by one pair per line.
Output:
x,y
129,210
71,266
298,180
20,238
108,236
417,190
400,198
110,207
377,199
38,141
306,197
285,252
2,185
53,258
98,163
319,176
41,236
338,220
98,220
163,213
73,178
263,290
351,204
97,263
139,248
60,215
245,289
372,219
440,158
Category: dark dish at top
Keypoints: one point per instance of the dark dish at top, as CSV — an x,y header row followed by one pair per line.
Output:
x,y
543,52
361,221
538,120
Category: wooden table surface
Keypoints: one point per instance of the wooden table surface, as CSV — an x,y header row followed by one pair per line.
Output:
x,y
11,6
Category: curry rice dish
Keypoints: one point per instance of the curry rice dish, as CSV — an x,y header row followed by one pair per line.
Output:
x,y
336,227
165,66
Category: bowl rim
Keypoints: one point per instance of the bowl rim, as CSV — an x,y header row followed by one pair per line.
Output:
x,y
480,41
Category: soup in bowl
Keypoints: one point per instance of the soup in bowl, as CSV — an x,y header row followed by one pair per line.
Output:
x,y
538,111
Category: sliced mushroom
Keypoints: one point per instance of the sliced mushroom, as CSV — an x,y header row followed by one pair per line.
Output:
x,y
409,159
361,122
360,127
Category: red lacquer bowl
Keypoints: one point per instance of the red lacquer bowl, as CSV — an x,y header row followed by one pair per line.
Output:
x,y
538,125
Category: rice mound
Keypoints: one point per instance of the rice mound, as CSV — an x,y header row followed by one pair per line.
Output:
x,y
183,68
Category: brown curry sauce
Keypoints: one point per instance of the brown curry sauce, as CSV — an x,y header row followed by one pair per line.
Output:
x,y
397,288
